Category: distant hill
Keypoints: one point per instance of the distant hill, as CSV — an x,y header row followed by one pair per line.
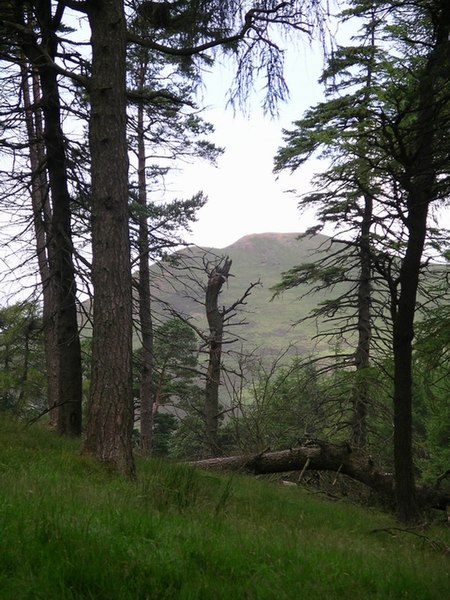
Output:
x,y
254,257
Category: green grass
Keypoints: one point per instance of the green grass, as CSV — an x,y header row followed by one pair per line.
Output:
x,y
70,530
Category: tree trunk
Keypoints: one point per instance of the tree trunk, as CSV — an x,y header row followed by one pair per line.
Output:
x,y
215,316
145,314
403,334
360,393
362,355
62,272
110,411
323,456
420,187
41,221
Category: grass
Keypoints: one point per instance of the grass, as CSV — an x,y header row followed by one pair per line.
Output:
x,y
71,530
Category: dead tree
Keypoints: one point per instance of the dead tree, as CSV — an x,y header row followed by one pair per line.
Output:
x,y
218,318
323,456
217,276
188,275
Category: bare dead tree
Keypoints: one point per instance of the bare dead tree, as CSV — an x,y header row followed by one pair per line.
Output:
x,y
190,278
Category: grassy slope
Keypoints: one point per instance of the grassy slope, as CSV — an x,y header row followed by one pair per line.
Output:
x,y
70,530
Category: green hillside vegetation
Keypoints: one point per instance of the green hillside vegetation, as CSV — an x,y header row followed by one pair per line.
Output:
x,y
272,323
71,530
257,257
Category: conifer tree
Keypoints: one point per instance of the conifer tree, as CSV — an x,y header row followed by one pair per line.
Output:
x,y
405,159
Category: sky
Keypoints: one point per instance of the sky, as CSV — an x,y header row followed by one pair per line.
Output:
x,y
244,196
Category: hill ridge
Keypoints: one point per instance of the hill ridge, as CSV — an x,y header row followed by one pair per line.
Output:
x,y
263,257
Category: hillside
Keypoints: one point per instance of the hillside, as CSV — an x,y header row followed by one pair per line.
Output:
x,y
263,257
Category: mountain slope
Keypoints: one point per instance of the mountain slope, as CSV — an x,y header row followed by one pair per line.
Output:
x,y
257,257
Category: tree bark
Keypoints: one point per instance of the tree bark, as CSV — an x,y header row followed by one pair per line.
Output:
x,y
323,456
362,355
420,181
145,309
215,316
403,334
110,410
61,267
361,397
41,221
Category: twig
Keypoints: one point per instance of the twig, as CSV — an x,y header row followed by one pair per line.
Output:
x,y
262,453
46,411
337,474
302,472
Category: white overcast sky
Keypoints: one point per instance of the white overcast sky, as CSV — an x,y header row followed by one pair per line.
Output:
x,y
244,196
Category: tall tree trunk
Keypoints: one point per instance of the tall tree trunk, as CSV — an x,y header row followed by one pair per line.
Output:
x,y
362,355
145,314
62,272
403,335
420,187
110,410
215,316
41,221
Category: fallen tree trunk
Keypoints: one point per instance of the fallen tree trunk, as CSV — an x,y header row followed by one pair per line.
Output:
x,y
323,456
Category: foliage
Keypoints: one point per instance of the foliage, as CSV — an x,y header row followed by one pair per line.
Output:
x,y
22,374
279,403
175,367
431,364
181,31
290,401
176,389
187,441
382,132
164,427
382,129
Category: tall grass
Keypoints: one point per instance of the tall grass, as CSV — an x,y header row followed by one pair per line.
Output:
x,y
71,530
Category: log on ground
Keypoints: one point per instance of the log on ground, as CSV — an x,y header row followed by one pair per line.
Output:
x,y
324,456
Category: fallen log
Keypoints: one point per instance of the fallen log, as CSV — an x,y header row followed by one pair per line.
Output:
x,y
323,456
